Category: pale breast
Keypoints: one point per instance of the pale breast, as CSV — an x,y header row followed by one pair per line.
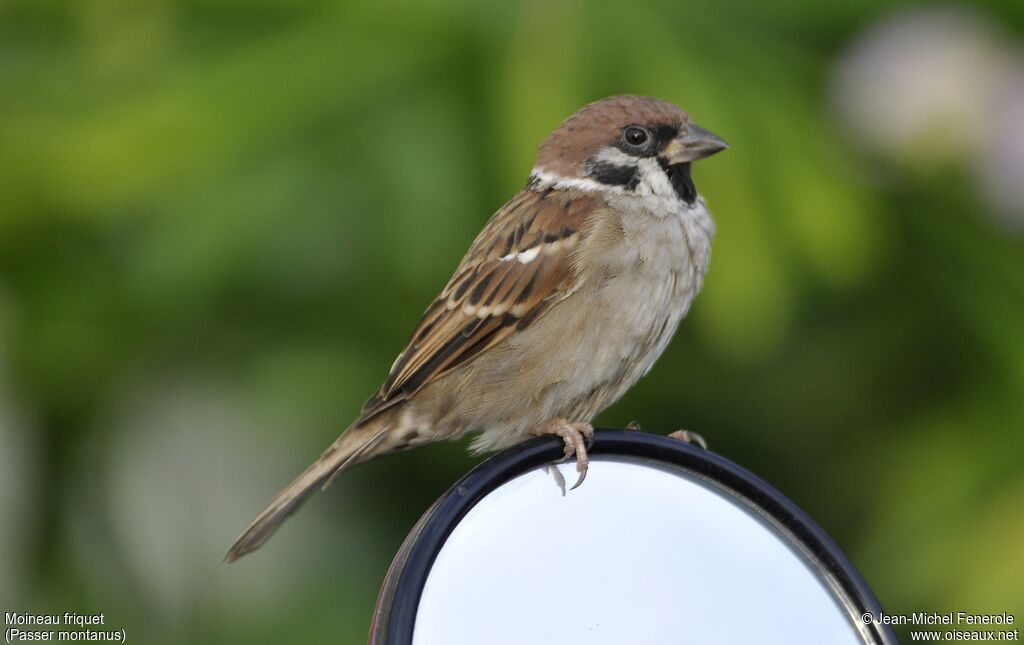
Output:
x,y
664,259
643,272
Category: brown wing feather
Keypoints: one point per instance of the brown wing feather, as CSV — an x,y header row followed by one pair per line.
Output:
x,y
519,265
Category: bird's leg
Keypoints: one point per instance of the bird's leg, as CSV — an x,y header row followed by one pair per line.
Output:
x,y
575,436
587,431
690,437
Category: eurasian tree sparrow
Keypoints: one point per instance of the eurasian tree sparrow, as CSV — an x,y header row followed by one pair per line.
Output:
x,y
567,297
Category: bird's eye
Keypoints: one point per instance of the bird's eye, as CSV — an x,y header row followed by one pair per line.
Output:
x,y
634,135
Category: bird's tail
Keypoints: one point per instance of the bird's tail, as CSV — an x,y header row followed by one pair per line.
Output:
x,y
355,445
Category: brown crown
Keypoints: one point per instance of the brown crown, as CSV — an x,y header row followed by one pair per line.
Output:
x,y
599,124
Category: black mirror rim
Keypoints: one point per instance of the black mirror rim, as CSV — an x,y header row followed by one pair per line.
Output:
x,y
399,599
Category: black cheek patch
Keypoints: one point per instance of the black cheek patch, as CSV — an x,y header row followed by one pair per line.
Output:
x,y
613,175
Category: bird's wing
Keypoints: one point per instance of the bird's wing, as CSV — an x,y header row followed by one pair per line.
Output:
x,y
519,265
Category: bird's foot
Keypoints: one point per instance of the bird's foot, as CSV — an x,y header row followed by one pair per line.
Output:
x,y
690,437
576,436
557,475
634,425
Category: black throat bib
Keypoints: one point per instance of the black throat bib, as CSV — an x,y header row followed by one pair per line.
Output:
x,y
682,183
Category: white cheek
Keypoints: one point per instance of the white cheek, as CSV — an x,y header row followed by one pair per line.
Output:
x,y
653,180
615,157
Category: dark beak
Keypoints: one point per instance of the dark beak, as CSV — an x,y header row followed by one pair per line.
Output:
x,y
695,143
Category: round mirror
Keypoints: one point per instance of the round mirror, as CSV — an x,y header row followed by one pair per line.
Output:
x,y
663,543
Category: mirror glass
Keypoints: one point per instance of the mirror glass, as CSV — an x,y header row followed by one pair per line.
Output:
x,y
642,552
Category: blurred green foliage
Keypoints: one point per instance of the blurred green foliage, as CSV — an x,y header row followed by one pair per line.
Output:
x,y
218,222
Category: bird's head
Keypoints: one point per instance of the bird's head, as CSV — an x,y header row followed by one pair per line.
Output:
x,y
634,144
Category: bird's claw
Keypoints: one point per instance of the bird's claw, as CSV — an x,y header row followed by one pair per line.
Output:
x,y
634,425
578,437
690,437
581,468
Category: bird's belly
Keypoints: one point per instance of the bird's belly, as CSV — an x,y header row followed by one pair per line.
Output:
x,y
577,360
641,307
